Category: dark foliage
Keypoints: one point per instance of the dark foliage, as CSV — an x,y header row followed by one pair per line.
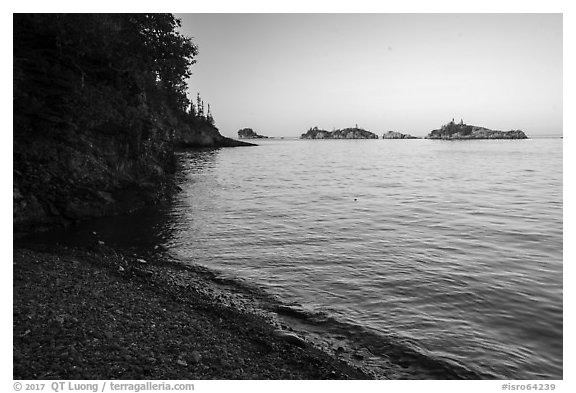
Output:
x,y
99,104
111,73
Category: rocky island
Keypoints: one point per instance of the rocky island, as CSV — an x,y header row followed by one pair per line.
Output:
x,y
248,133
347,133
397,135
465,131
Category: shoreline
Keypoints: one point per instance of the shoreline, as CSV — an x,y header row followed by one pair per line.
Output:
x,y
98,314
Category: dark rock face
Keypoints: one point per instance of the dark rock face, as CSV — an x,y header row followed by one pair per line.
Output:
x,y
57,182
248,133
347,133
204,135
397,135
94,131
465,131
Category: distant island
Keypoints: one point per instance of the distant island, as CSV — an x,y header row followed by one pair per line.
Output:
x,y
248,133
397,135
347,133
465,131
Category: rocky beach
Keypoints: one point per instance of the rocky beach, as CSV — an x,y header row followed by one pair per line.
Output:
x,y
98,314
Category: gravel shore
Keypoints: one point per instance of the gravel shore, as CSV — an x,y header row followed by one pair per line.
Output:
x,y
98,314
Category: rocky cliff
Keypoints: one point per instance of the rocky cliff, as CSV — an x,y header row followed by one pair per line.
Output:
x,y
99,107
203,134
465,131
347,133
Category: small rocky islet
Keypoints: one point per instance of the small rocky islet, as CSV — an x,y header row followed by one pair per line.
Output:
x,y
397,135
346,133
249,133
449,131
461,130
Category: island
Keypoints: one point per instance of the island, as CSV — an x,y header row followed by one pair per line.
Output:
x,y
346,133
397,135
465,131
248,133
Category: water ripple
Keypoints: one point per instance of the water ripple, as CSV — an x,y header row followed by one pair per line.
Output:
x,y
437,255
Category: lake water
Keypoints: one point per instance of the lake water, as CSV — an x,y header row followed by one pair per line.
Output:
x,y
436,254
453,248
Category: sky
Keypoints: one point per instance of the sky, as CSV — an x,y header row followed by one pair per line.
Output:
x,y
281,74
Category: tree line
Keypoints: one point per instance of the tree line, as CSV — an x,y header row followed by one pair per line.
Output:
x,y
122,74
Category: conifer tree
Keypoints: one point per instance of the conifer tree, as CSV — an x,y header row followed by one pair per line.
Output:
x,y
199,106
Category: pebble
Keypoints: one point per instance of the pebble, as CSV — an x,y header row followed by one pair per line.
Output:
x,y
224,363
205,350
196,357
290,338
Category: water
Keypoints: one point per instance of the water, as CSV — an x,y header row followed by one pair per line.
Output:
x,y
454,246
448,254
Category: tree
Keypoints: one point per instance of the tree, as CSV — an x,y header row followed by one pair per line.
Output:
x,y
199,106
99,70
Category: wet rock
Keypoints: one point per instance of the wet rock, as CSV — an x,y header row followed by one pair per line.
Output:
x,y
290,338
